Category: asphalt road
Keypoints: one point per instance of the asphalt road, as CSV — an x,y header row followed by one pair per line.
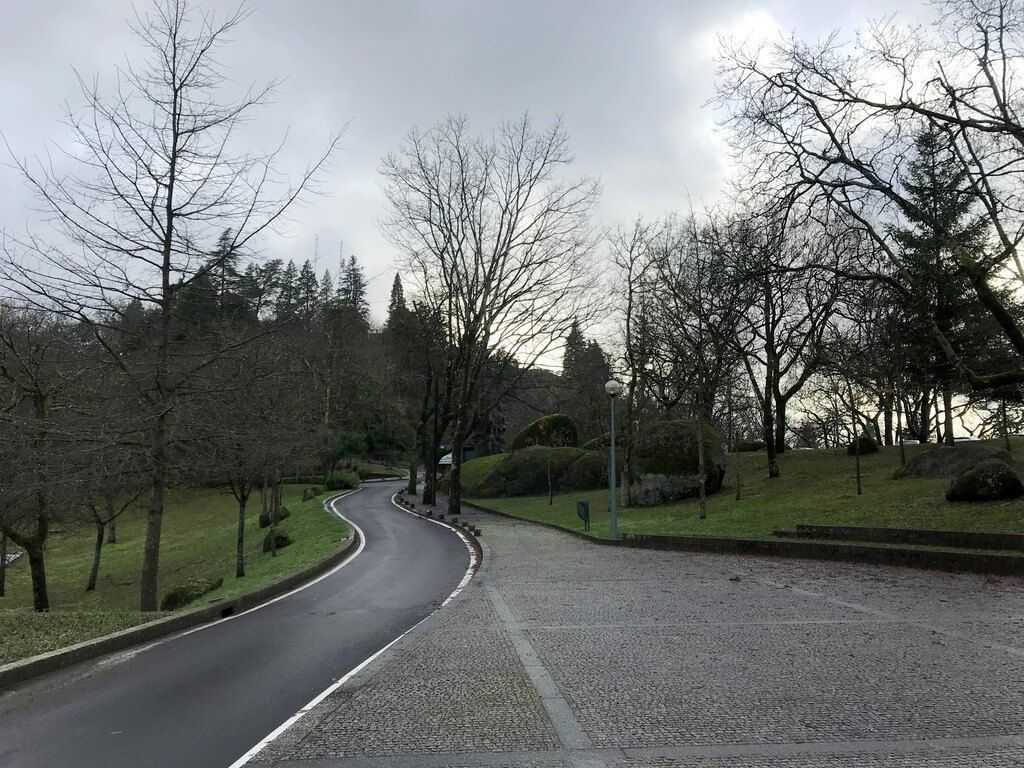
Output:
x,y
203,699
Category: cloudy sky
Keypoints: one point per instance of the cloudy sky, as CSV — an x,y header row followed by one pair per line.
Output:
x,y
630,80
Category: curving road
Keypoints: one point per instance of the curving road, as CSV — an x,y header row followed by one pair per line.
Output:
x,y
204,698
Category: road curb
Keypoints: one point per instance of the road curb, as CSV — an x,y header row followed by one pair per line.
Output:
x,y
931,559
34,666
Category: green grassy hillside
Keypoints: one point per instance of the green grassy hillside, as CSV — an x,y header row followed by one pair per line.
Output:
x,y
814,487
198,543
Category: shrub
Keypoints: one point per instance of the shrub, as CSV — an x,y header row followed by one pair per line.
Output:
x,y
604,440
317,490
867,445
181,596
525,472
556,430
282,514
667,457
340,479
588,472
750,446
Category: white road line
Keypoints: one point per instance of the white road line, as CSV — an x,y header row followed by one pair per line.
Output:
x,y
328,505
473,560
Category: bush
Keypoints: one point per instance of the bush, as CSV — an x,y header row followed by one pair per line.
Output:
x,y
867,445
282,514
340,480
990,480
588,472
750,446
604,440
525,472
556,431
181,596
667,457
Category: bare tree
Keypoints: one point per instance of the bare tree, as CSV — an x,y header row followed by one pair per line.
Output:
x,y
833,125
497,242
157,181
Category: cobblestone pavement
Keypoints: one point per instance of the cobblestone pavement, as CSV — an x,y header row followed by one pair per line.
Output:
x,y
564,653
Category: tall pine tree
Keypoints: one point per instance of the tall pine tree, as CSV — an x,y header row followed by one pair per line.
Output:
x,y
940,229
352,287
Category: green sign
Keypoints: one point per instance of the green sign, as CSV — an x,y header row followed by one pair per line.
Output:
x,y
583,510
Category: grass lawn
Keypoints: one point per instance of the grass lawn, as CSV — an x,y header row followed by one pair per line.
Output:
x,y
198,542
814,487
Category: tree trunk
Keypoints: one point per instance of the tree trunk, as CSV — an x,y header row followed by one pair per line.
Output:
x,y
455,477
947,412
240,537
551,488
154,517
925,419
899,434
112,531
1002,418
411,488
275,505
3,563
97,551
703,472
769,436
37,565
780,425
887,419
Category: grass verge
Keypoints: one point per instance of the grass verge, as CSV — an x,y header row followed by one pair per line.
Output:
x,y
815,487
198,542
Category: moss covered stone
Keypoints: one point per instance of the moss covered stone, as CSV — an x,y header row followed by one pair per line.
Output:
x,y
667,460
556,430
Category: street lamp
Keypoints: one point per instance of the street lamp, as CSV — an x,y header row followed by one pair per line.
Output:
x,y
614,389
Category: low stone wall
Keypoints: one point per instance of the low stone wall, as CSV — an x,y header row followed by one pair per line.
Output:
x,y
962,539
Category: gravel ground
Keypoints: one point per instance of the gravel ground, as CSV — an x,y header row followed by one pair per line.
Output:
x,y
563,653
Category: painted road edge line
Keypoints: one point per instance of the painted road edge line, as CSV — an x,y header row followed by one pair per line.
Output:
x,y
329,505
467,576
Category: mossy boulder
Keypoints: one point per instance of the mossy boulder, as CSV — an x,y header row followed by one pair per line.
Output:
x,y
556,431
282,540
282,514
181,596
989,480
667,461
864,445
953,460
526,472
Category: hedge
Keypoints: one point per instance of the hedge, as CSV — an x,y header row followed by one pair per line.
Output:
x,y
556,430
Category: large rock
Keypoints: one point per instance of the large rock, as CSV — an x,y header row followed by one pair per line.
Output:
x,y
555,431
989,480
283,540
953,460
864,445
668,467
282,514
181,596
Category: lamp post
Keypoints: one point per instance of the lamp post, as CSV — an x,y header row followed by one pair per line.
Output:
x,y
614,389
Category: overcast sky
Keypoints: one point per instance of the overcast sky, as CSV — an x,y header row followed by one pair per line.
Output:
x,y
630,78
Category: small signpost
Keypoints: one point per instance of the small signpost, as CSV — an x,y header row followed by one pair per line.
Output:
x,y
583,510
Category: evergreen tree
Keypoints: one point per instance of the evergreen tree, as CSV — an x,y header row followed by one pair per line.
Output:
x,y
352,287
308,290
585,370
286,304
940,228
327,289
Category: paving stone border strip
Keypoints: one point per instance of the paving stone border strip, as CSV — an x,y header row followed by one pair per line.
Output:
x,y
34,666
963,539
938,559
